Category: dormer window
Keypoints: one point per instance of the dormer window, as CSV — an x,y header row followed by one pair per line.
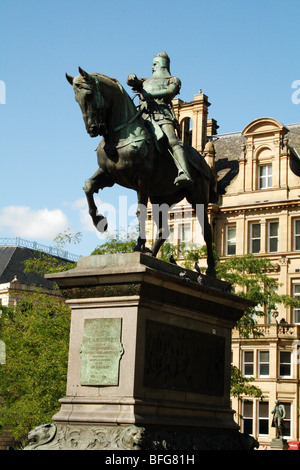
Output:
x,y
265,176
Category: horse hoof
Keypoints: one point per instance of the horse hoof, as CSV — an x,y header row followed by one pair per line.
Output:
x,y
142,249
100,223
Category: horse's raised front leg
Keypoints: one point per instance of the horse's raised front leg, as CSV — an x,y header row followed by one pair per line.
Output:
x,y
91,186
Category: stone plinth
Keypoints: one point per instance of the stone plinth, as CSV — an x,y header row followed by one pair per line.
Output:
x,y
149,358
279,444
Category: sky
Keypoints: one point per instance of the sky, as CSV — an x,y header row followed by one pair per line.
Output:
x,y
244,55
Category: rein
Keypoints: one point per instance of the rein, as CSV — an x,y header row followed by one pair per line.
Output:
x,y
98,103
131,120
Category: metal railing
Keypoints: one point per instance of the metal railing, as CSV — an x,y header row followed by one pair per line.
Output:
x,y
54,251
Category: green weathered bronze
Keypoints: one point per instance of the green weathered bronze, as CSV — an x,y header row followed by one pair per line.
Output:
x,y
156,94
101,351
141,149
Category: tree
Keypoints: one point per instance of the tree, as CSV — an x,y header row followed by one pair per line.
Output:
x,y
250,279
44,263
36,337
117,243
33,378
241,385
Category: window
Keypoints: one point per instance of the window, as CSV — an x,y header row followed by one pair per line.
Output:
x,y
297,234
248,417
184,233
265,177
285,363
273,237
263,363
255,238
248,363
187,130
287,420
230,240
263,418
170,238
296,294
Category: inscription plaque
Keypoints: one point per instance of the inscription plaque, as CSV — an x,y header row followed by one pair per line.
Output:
x,y
101,351
182,359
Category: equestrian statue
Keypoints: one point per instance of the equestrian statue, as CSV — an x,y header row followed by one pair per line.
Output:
x,y
141,148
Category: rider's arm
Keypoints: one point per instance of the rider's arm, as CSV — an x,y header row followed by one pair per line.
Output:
x,y
169,92
135,82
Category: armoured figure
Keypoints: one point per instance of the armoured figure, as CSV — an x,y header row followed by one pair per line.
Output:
x,y
156,94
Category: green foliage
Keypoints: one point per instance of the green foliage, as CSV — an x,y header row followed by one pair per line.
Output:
x,y
241,385
250,279
67,237
117,243
189,252
44,263
33,378
36,337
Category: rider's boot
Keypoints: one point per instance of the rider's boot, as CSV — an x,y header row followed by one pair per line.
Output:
x,y
183,179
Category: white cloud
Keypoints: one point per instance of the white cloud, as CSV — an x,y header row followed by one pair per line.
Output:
x,y
22,221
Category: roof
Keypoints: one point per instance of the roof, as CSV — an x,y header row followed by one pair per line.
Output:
x,y
12,264
229,148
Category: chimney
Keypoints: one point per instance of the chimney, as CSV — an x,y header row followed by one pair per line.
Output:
x,y
212,127
200,111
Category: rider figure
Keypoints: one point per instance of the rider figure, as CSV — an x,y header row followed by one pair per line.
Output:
x,y
156,94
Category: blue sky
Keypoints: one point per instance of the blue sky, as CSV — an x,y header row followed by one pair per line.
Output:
x,y
243,54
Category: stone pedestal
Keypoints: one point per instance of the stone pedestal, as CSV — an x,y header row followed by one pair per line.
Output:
x,y
149,359
279,444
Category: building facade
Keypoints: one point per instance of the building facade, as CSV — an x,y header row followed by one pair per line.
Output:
x,y
258,212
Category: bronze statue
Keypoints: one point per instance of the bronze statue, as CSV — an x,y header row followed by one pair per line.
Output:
x,y
128,153
279,414
156,94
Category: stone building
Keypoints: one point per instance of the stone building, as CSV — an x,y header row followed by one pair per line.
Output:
x,y
258,212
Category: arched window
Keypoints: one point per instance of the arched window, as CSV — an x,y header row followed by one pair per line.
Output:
x,y
186,128
264,158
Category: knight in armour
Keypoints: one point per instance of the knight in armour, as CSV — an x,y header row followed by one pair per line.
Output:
x,y
156,95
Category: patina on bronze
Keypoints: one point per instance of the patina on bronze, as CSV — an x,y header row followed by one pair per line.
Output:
x,y
156,94
101,351
140,149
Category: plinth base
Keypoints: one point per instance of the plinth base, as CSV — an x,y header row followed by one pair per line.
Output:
x,y
149,359
130,438
279,444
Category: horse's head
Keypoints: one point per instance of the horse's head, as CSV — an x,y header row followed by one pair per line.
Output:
x,y
92,104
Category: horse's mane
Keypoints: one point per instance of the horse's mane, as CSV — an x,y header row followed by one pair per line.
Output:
x,y
109,82
109,87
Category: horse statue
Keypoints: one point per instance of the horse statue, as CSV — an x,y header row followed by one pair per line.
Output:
x,y
127,155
